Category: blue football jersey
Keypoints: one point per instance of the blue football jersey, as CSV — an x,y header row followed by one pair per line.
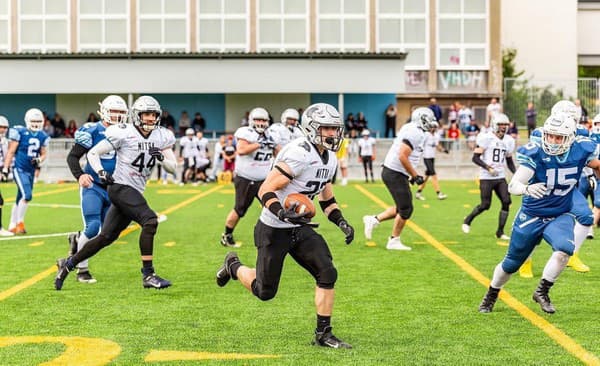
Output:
x,y
88,136
536,136
559,173
595,137
30,145
582,131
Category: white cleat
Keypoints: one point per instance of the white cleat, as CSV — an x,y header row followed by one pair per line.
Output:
x,y
419,196
396,244
441,196
4,232
466,228
161,218
590,234
504,237
371,223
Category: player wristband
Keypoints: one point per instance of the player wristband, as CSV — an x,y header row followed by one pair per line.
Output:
x,y
275,206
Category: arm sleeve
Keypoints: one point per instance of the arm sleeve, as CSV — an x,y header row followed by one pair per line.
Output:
x,y
94,154
170,162
519,181
510,163
77,151
477,160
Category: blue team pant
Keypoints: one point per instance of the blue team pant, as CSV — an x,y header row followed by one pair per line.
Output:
x,y
528,231
24,181
94,205
585,189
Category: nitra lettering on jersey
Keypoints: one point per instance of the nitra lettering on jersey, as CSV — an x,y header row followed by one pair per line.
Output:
x,y
134,163
30,145
310,172
88,136
559,173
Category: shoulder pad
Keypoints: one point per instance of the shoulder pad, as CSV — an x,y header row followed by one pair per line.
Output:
x,y
246,133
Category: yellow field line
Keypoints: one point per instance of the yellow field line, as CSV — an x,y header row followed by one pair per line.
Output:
x,y
47,193
552,331
40,276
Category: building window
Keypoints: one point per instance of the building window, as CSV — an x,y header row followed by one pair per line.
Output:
x,y
223,25
463,34
163,26
43,25
342,25
4,26
283,25
103,26
402,26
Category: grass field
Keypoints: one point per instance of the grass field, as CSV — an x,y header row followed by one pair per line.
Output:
x,y
395,308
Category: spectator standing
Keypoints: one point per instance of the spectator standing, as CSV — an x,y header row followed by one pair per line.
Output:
x,y
351,125
198,124
48,128
492,108
436,109
452,113
531,118
465,115
361,123
92,118
471,133
453,135
59,125
70,131
229,153
582,111
166,120
390,121
513,131
184,123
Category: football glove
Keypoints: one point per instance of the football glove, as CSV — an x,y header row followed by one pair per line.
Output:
x,y
4,175
536,190
347,230
417,179
36,162
156,153
493,172
266,143
290,215
592,182
105,177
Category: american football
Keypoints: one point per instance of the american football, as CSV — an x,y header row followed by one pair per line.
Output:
x,y
305,204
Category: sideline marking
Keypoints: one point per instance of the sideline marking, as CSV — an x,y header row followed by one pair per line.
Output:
x,y
550,329
170,244
40,276
47,193
19,237
36,243
158,356
52,205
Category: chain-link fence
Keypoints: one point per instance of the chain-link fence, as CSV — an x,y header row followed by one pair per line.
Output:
x,y
544,93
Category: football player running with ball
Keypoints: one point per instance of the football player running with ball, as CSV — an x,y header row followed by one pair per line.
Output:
x,y
304,166
546,177
139,146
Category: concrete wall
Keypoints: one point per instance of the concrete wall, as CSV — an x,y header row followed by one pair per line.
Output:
x,y
544,32
588,29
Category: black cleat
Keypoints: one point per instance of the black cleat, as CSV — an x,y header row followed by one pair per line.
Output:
x,y
224,273
84,276
327,339
541,296
228,241
62,273
73,239
489,300
155,281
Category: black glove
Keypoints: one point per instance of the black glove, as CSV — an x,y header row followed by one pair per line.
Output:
x,y
446,151
290,215
347,230
36,162
417,179
266,142
156,153
105,177
4,175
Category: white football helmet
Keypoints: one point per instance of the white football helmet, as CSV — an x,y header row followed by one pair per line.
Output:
x,y
290,114
146,104
323,115
562,125
190,132
365,132
34,120
113,110
499,123
566,106
423,117
596,124
258,119
3,122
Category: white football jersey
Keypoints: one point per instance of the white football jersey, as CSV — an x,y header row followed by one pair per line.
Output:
x,y
415,136
134,164
283,134
431,142
257,164
310,172
189,147
366,146
202,147
495,152
3,149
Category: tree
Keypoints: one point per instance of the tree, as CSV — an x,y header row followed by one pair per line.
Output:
x,y
509,69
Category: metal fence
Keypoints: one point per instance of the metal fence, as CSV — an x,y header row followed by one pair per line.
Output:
x,y
544,93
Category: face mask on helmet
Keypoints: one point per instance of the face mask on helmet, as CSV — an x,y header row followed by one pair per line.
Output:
x,y
596,124
258,119
558,134
113,110
566,106
34,120
499,123
323,126
145,113
290,117
189,132
423,117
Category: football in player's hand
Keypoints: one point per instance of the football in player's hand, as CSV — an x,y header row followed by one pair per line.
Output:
x,y
305,204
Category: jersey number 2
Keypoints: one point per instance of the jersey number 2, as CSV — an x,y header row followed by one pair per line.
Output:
x,y
139,162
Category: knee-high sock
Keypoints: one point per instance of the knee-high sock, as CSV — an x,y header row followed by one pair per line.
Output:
x,y
21,210
500,277
557,262
502,220
80,244
13,216
580,235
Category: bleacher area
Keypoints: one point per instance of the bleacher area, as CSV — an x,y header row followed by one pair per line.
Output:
x,y
455,165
